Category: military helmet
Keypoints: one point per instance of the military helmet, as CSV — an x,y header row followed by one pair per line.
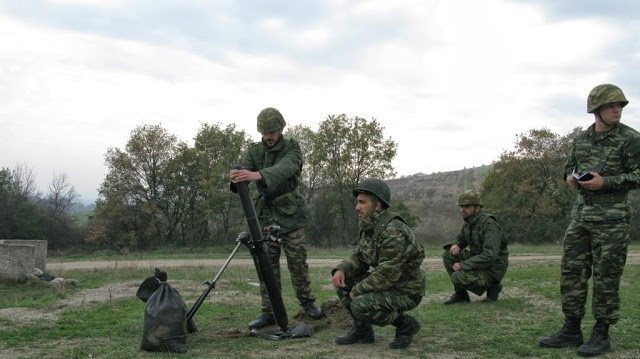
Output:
x,y
469,197
270,120
376,187
605,94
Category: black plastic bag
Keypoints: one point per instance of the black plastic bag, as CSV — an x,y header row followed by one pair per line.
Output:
x,y
165,317
150,285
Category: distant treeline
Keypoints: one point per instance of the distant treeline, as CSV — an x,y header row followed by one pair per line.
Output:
x,y
161,192
25,213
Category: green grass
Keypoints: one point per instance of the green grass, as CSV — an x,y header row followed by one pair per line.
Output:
x,y
529,308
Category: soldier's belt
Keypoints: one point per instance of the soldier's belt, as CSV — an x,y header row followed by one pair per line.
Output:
x,y
590,199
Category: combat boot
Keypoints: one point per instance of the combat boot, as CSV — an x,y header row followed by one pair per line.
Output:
x,y
406,327
313,311
598,343
360,333
569,336
460,296
493,292
264,320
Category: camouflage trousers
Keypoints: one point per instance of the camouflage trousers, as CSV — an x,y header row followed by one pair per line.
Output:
x,y
296,252
475,281
379,308
598,248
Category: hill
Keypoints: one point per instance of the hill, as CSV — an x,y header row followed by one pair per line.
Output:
x,y
433,199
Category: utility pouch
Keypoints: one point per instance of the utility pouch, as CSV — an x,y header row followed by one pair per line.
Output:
x,y
286,203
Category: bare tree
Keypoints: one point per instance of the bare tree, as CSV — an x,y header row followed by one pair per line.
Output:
x,y
24,182
62,195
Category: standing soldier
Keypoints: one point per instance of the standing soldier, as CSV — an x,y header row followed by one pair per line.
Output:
x,y
597,238
481,267
382,278
274,164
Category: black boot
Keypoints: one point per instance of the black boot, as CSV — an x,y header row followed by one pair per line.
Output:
x,y
264,320
313,311
460,296
599,341
569,336
360,333
406,327
493,292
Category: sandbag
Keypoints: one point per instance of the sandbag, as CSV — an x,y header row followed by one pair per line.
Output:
x,y
165,321
150,285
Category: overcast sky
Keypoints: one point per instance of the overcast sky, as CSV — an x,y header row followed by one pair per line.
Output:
x,y
451,81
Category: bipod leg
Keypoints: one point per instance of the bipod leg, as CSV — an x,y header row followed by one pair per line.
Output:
x,y
212,284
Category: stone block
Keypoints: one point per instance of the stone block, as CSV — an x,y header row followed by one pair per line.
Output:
x,y
16,262
40,249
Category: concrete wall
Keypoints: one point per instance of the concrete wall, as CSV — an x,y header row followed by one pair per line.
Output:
x,y
40,253
16,261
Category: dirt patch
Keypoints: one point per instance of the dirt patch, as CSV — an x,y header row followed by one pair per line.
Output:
x,y
632,258
336,318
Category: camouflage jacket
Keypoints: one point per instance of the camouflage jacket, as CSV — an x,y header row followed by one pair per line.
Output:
x,y
614,154
388,248
487,245
278,200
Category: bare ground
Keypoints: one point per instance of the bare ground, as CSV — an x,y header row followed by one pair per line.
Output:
x,y
632,258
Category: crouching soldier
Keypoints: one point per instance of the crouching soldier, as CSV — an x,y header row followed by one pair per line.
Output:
x,y
382,279
482,266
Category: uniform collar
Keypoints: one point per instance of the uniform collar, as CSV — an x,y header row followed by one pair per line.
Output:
x,y
591,132
370,222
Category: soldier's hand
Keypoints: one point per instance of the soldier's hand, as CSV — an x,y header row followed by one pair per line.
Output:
x,y
457,267
338,280
573,182
594,184
244,176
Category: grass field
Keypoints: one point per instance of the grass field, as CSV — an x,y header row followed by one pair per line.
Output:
x,y
101,318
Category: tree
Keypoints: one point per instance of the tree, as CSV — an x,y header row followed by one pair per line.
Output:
x,y
311,177
24,182
526,189
61,198
217,150
346,151
62,195
133,210
19,217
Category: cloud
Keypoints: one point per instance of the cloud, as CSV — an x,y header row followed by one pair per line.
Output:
x,y
451,87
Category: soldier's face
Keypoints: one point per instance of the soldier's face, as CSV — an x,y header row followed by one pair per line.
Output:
x,y
366,206
272,137
611,113
468,210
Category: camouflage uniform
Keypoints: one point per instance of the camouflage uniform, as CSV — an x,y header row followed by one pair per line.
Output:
x,y
279,202
384,270
597,238
486,260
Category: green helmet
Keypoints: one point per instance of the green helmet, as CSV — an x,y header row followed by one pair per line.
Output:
x,y
469,197
605,94
270,120
376,187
